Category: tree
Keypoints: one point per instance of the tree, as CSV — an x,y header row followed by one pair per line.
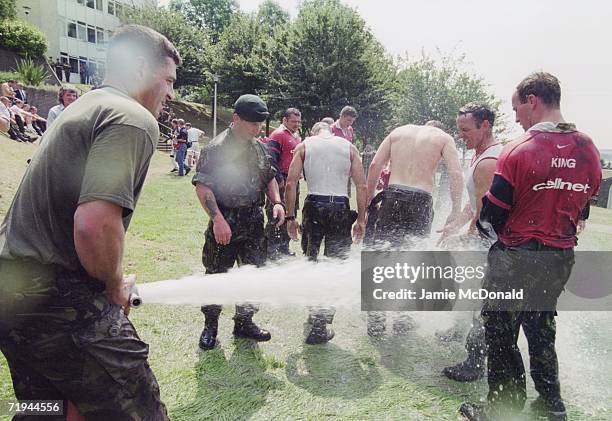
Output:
x,y
250,56
210,15
334,60
8,10
431,89
191,42
272,17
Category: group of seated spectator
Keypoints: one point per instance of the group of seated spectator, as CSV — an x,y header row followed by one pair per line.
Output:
x,y
19,119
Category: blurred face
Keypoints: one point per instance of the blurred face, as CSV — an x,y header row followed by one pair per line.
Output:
x,y
522,112
158,86
246,129
346,121
293,122
69,97
34,110
469,132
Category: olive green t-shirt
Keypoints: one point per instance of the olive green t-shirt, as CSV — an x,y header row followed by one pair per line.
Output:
x,y
99,148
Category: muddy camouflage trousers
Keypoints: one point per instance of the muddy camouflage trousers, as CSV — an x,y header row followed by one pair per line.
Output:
x,y
246,246
63,340
543,273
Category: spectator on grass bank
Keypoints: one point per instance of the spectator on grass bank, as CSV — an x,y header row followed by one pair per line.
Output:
x,y
7,91
20,93
34,122
66,96
19,115
181,150
174,128
5,114
193,141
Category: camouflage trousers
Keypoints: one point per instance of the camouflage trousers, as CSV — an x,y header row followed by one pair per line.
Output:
x,y
63,340
245,248
543,273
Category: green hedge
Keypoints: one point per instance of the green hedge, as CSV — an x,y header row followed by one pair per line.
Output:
x,y
23,38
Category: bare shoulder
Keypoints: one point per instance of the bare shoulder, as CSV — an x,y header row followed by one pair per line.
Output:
x,y
405,132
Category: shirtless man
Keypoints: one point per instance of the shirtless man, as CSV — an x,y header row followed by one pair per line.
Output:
x,y
475,123
413,153
407,207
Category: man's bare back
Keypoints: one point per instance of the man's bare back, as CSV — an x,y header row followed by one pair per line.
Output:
x,y
414,153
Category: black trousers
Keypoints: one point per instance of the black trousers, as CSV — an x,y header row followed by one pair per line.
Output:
x,y
404,212
331,222
542,272
277,239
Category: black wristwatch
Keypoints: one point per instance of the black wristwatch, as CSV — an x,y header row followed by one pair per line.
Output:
x,y
290,218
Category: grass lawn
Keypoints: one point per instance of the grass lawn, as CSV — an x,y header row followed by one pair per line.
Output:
x,y
350,378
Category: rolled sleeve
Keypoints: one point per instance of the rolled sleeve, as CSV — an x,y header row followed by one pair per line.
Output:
x,y
205,168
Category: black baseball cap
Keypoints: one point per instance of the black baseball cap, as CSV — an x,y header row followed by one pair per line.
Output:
x,y
251,108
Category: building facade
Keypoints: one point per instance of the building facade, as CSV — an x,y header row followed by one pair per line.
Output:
x,y
77,30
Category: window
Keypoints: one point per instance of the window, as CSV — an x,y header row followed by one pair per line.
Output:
x,y
91,35
81,2
91,4
100,35
99,5
72,30
119,9
111,7
82,31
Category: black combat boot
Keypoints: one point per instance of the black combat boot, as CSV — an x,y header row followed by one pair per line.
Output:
x,y
553,409
244,327
208,338
319,333
475,412
472,369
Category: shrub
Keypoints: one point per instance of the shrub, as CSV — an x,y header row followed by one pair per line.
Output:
x,y
31,73
23,38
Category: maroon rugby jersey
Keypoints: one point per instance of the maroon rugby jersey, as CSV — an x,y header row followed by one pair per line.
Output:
x,y
346,134
553,172
281,145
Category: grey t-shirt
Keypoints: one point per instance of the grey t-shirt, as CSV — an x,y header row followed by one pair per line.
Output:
x,y
99,148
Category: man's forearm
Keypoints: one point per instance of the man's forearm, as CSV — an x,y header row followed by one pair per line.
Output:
x,y
290,192
362,195
208,201
373,176
456,189
273,193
